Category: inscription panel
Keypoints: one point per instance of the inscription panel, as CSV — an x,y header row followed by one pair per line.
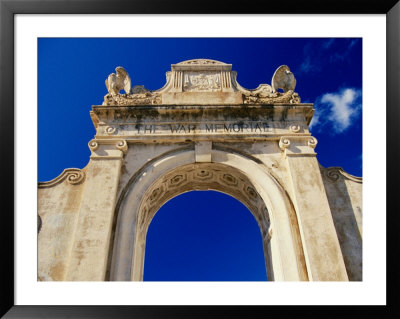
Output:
x,y
257,128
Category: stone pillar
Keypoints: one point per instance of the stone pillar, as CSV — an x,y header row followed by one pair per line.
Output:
x,y
89,254
322,251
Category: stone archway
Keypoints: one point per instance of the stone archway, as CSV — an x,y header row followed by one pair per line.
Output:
x,y
202,130
233,174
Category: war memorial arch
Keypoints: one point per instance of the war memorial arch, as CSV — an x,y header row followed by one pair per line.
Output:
x,y
201,131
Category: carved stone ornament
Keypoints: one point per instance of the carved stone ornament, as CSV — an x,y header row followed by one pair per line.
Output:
x,y
295,128
277,97
145,98
201,82
138,95
269,94
214,78
122,146
118,81
283,79
73,176
93,145
139,89
284,143
334,173
110,130
312,142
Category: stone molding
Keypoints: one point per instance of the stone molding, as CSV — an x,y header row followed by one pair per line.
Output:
x,y
298,145
334,173
73,176
108,148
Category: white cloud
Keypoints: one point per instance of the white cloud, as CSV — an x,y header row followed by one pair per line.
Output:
x,y
337,110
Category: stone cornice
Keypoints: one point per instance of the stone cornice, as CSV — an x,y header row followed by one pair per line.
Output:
x,y
273,112
335,172
201,65
159,123
73,176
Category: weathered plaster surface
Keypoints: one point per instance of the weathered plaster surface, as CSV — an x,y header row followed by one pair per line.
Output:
x,y
58,204
89,254
345,200
323,255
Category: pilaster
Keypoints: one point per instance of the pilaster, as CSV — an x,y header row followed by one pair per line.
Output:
x,y
320,243
89,254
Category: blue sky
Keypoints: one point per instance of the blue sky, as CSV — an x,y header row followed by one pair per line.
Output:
x,y
71,75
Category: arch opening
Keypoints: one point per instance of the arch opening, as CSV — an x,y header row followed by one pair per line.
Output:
x,y
200,177
204,236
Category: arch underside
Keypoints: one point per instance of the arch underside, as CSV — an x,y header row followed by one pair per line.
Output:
x,y
203,176
178,173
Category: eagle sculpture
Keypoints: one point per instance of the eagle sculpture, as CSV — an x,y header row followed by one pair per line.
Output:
x,y
118,81
283,79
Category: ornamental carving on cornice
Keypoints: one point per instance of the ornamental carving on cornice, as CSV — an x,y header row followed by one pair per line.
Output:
x,y
146,98
73,176
271,98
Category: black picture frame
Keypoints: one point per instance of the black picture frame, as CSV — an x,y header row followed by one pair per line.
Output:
x,y
8,9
